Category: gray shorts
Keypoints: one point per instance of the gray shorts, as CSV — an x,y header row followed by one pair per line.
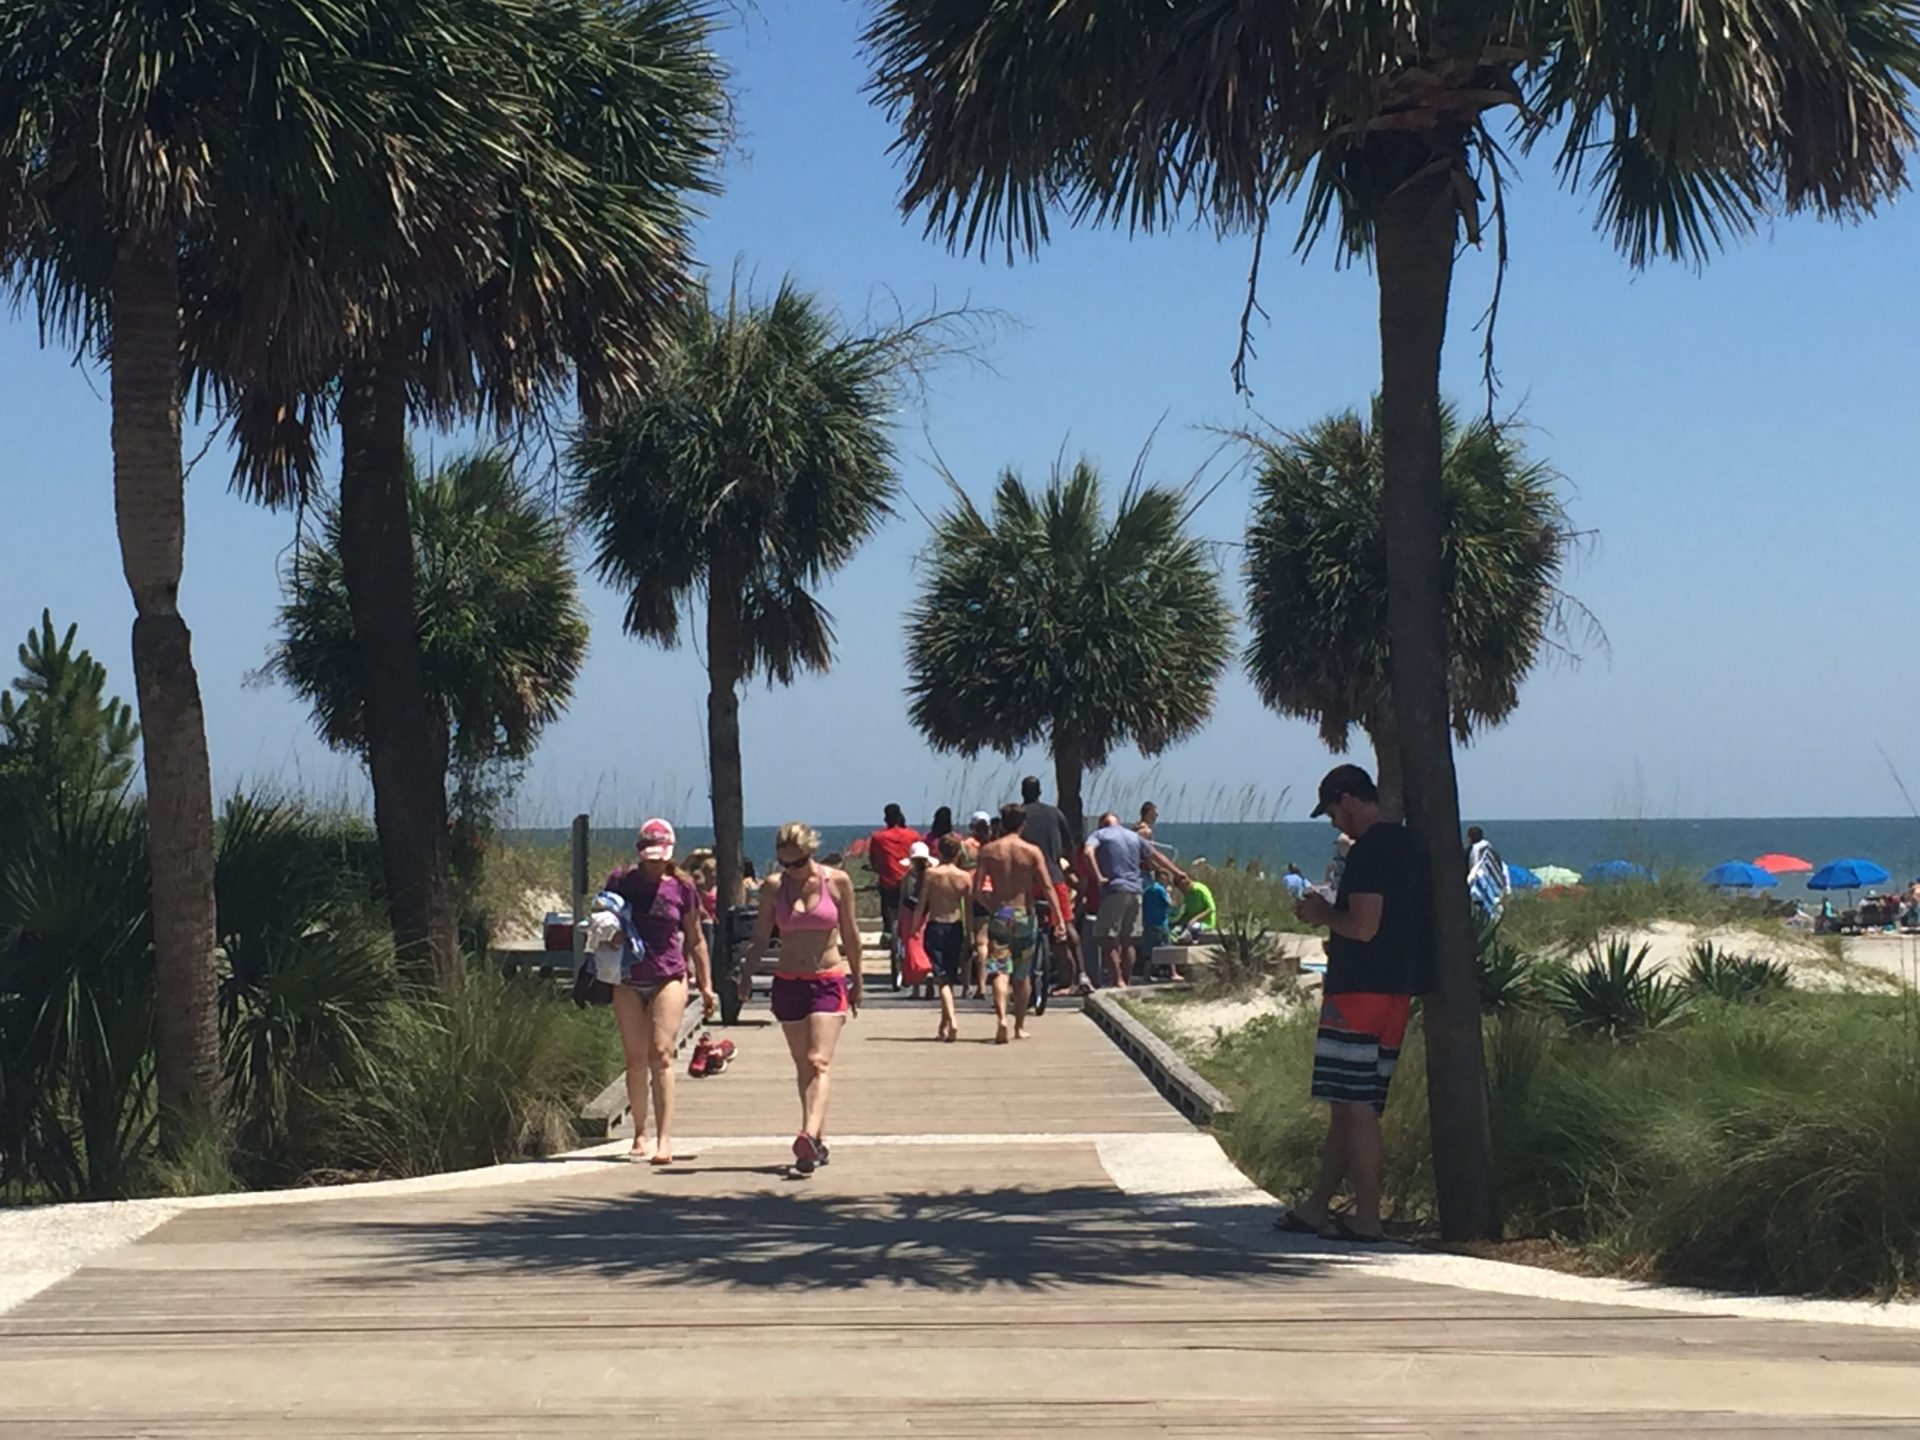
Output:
x,y
1119,917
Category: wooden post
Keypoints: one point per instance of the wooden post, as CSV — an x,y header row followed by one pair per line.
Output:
x,y
582,835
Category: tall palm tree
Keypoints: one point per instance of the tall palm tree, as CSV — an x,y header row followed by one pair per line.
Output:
x,y
1316,574
755,465
1048,620
129,135
1691,123
501,626
545,263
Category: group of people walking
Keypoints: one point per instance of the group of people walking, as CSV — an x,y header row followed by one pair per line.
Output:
x,y
1026,875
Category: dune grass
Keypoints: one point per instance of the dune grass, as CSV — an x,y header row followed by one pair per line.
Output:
x,y
1769,1147
1559,922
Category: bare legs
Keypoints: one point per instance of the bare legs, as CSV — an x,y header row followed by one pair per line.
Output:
x,y
811,1042
647,1034
1356,1154
1119,957
949,1021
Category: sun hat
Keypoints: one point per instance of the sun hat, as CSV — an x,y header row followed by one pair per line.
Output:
x,y
981,817
919,851
656,840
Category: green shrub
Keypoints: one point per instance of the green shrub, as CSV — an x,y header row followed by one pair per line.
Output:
x,y
495,1072
1712,971
1613,993
1246,959
1509,976
1758,1147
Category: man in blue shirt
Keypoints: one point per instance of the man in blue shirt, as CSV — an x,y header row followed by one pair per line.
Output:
x,y
1120,857
1295,882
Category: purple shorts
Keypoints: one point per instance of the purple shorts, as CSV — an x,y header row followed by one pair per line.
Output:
x,y
795,997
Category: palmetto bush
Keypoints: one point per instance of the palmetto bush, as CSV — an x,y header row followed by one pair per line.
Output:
x,y
1509,976
1614,994
1713,971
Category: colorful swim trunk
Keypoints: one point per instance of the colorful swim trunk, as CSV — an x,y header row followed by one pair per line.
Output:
x,y
946,944
795,997
1011,935
1358,1047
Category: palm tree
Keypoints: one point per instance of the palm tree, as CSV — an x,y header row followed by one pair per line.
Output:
x,y
501,626
754,466
1690,123
129,136
1048,620
543,264
1316,573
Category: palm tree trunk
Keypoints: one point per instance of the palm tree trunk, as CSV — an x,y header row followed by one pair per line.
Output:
x,y
406,748
150,509
1387,769
1068,771
723,732
1414,239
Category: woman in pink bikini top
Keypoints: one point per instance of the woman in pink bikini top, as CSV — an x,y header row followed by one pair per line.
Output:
x,y
816,976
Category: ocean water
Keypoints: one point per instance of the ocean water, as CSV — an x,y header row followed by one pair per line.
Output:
x,y
1664,845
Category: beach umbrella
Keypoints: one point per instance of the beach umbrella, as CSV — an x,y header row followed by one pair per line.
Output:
x,y
1738,875
1778,864
1557,875
1847,875
1521,878
1615,872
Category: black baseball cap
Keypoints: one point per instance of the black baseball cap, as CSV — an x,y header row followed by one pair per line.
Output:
x,y
1343,780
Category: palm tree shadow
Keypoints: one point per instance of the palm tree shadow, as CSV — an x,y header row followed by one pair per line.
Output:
x,y
819,1240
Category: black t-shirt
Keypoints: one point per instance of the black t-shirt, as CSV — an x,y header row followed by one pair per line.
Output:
x,y
1047,828
1390,862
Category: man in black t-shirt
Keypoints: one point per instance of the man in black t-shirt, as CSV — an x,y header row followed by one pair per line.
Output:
x,y
1048,829
1378,958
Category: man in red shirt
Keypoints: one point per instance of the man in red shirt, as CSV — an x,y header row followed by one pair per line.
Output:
x,y
887,858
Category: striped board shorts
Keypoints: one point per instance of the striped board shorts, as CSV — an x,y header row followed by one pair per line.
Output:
x,y
1358,1046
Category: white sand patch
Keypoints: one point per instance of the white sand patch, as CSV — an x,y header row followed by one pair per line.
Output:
x,y
1870,962
524,921
1202,1024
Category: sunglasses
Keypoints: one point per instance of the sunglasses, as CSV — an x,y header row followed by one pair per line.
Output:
x,y
800,864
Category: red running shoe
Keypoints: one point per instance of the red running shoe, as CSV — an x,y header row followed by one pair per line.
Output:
x,y
702,1057
719,1057
806,1153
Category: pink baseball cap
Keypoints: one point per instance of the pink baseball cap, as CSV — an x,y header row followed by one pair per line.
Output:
x,y
656,840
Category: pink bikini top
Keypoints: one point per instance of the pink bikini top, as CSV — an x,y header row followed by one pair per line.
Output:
x,y
825,914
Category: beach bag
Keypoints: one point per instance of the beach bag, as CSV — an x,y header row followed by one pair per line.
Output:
x,y
916,966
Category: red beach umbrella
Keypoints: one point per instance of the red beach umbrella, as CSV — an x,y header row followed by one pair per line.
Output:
x,y
1782,864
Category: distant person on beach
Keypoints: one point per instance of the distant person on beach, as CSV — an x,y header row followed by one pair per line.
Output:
x,y
939,919
1378,956
1488,882
1295,882
664,906
1012,870
941,827
817,984
1337,866
1197,914
1156,921
912,881
1149,817
1119,858
749,883
1048,830
887,859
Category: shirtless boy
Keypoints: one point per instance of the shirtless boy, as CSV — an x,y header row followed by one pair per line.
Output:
x,y
1012,870
939,919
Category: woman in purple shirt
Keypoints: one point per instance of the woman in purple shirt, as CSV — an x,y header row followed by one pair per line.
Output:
x,y
652,995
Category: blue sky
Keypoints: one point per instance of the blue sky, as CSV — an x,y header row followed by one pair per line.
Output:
x,y
1732,436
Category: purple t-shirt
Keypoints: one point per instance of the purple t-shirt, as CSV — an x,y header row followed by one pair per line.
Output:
x,y
658,911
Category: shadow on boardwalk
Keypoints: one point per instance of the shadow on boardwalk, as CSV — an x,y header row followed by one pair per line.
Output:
x,y
805,1239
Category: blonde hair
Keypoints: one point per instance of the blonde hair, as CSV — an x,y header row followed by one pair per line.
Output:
x,y
797,835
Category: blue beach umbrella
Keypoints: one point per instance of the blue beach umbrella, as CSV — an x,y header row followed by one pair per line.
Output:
x,y
1521,878
1847,875
1615,872
1738,875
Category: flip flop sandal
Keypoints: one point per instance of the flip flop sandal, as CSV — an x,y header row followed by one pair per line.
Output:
x,y
1290,1223
1341,1230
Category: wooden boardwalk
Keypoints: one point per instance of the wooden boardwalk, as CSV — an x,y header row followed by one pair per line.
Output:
x,y
966,1267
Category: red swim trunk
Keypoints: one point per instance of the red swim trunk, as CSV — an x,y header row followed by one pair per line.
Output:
x,y
795,997
1358,1046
